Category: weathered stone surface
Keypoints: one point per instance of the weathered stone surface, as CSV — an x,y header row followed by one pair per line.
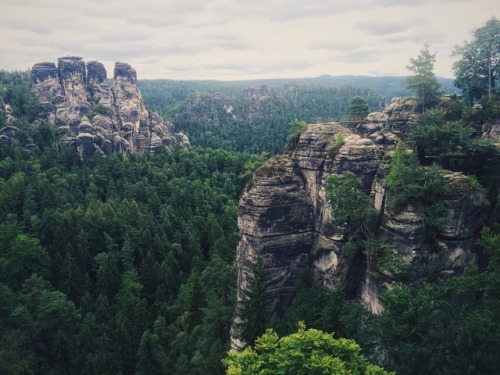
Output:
x,y
96,118
467,208
285,220
491,130
429,257
96,72
275,216
46,85
377,127
402,116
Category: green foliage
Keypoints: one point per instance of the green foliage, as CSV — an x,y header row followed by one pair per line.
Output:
x,y
453,146
236,122
404,178
491,107
253,310
358,106
477,71
409,182
152,358
349,202
339,142
405,326
20,256
423,80
296,129
308,351
352,206
46,324
450,327
117,246
438,138
98,110
316,306
15,91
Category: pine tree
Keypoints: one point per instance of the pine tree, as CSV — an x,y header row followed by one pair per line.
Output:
x,y
423,80
254,311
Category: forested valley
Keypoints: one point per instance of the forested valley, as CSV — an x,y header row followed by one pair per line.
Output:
x,y
253,116
126,264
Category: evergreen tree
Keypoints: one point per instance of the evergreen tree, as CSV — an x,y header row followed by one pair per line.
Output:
x,y
423,80
152,359
358,106
253,310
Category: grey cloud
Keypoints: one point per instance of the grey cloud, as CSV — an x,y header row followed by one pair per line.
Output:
x,y
359,56
378,28
150,13
390,3
426,37
333,46
287,10
261,68
229,42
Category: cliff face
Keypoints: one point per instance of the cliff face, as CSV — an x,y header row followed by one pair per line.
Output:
x,y
285,220
97,118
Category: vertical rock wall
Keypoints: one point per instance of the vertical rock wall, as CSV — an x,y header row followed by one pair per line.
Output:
x,y
285,221
94,117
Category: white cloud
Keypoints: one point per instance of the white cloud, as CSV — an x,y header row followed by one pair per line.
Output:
x,y
236,39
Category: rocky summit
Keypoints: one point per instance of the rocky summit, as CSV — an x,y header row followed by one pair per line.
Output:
x,y
288,228
97,118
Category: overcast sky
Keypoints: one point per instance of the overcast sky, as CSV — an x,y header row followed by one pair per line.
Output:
x,y
239,39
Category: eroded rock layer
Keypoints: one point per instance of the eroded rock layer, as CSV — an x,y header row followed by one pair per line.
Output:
x,y
97,118
286,222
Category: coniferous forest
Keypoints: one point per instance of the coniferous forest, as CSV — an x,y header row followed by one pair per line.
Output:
x,y
126,264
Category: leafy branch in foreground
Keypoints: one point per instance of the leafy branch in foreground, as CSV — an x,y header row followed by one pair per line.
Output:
x,y
308,351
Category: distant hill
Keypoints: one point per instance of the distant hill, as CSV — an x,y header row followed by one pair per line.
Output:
x,y
163,93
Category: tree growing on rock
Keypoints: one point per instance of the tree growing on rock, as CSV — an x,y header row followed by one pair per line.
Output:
x,y
296,129
423,80
358,106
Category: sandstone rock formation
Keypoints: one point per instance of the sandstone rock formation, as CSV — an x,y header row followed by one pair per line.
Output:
x,y
97,118
286,222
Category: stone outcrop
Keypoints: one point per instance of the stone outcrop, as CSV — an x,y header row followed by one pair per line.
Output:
x,y
97,118
285,221
491,130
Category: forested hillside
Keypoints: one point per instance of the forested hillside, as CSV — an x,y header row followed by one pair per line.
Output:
x,y
117,265
126,264
164,93
253,116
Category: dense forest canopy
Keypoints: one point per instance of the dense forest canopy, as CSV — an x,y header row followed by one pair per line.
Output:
x,y
107,262
126,264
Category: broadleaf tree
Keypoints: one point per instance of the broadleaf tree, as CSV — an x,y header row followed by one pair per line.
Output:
x,y
308,351
478,69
